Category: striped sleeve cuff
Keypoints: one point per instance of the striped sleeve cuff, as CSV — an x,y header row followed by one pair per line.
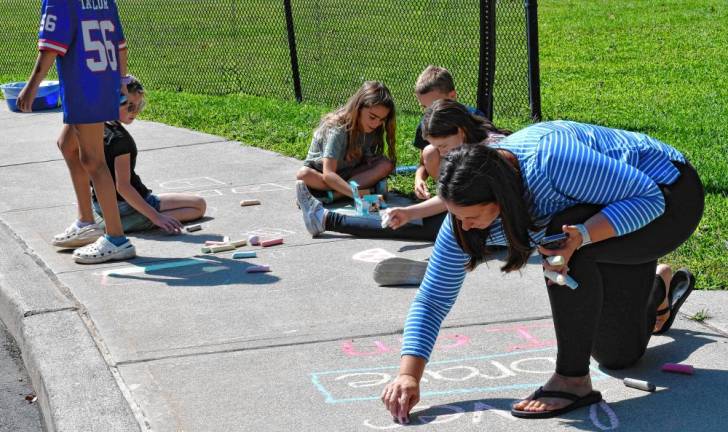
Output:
x,y
50,45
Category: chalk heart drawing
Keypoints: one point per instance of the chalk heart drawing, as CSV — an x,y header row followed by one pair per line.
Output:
x,y
190,183
268,232
373,255
207,193
263,187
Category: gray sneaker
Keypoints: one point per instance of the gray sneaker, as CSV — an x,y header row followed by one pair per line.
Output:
x,y
399,271
310,206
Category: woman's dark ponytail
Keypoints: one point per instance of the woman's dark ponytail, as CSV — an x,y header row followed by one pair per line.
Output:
x,y
477,174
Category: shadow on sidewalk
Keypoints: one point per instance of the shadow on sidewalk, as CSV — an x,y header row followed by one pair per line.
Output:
x,y
197,271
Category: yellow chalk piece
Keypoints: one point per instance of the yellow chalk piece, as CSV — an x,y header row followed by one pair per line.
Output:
x,y
205,249
249,202
221,248
239,243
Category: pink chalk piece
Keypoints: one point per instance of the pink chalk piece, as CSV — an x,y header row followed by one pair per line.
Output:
x,y
258,269
678,368
271,242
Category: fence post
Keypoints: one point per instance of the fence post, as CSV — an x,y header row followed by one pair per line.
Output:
x,y
292,49
486,66
534,75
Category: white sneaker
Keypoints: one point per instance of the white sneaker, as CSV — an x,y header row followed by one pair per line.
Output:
x,y
103,250
74,236
310,206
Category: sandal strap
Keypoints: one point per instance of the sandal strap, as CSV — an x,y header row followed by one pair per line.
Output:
x,y
540,393
663,311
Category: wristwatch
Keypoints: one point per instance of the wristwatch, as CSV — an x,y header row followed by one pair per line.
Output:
x,y
585,238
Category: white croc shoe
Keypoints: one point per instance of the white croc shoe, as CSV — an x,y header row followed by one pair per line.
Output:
x,y
103,250
74,236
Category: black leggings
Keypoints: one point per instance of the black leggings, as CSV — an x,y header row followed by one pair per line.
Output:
x,y
371,228
611,315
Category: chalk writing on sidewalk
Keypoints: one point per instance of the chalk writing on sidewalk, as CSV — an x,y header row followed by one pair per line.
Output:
x,y
483,374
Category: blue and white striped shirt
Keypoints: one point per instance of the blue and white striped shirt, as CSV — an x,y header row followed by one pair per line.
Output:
x,y
562,164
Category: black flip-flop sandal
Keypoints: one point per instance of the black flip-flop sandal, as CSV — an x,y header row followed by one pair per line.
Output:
x,y
577,402
681,286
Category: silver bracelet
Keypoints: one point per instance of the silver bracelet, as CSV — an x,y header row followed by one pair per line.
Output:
x,y
585,237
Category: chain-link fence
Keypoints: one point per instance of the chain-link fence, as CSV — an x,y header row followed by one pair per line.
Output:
x,y
228,46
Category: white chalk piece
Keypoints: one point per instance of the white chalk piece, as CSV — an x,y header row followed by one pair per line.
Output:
x,y
195,227
561,279
250,202
271,242
221,248
239,243
258,269
555,260
639,384
244,254
226,239
213,242
385,218
253,240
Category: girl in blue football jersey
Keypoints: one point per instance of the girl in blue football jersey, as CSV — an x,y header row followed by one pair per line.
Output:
x,y
87,43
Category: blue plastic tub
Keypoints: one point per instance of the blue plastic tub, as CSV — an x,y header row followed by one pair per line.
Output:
x,y
48,95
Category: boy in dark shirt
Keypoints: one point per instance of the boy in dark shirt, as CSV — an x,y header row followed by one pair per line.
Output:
x,y
433,83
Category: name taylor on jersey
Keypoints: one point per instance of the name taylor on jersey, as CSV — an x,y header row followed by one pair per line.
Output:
x,y
94,4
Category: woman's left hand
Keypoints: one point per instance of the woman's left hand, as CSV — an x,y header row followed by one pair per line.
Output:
x,y
572,243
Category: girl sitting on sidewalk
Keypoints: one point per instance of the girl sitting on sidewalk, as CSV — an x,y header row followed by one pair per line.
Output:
x,y
447,124
139,208
349,144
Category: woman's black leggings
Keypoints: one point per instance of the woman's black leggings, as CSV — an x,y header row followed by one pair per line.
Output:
x,y
371,228
611,315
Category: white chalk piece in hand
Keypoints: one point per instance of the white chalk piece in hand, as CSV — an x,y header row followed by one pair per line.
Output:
x,y
555,260
195,227
639,384
561,279
385,218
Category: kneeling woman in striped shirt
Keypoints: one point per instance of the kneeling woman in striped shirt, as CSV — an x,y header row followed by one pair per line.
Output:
x,y
624,199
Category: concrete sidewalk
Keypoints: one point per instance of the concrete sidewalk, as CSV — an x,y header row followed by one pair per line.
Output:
x,y
177,341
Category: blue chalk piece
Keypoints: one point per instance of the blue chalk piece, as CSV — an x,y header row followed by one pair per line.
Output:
x,y
405,169
245,254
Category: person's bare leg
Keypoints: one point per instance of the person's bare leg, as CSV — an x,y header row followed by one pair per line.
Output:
x,y
370,175
431,160
69,146
91,141
665,272
312,178
183,207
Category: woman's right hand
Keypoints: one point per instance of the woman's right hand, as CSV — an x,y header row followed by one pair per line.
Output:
x,y
168,223
398,216
400,396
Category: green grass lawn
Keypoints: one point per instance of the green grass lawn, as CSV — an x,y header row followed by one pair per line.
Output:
x,y
654,67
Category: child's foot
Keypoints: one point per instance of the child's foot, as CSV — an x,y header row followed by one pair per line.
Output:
x,y
103,250
75,236
313,211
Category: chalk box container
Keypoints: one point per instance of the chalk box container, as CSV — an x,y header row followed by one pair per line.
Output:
x,y
48,96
